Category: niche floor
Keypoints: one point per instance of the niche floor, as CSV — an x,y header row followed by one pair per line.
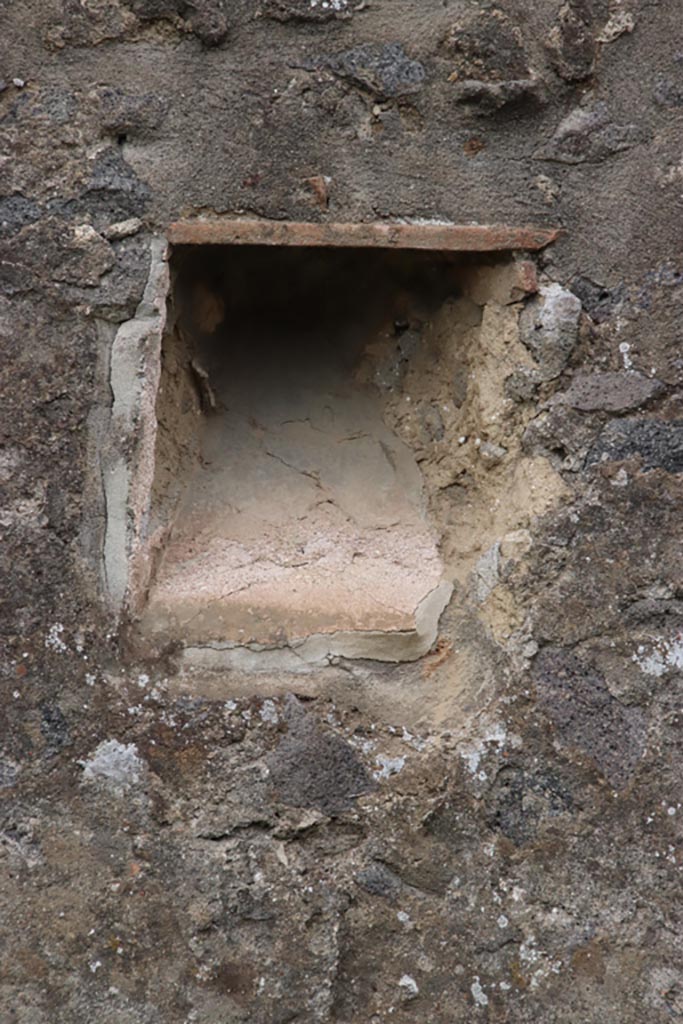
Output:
x,y
289,516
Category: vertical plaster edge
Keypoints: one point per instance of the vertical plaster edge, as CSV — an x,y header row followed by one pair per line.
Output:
x,y
127,461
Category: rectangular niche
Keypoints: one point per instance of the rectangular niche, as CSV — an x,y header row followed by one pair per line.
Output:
x,y
277,512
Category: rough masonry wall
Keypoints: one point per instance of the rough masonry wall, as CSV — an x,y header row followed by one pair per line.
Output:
x,y
494,834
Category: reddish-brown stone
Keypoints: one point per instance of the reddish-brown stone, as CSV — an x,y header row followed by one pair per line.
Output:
x,y
528,278
443,237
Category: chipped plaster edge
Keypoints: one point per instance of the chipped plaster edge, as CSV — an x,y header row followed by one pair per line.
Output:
x,y
127,459
320,649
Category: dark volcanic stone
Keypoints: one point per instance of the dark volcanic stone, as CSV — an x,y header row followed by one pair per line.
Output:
x,y
121,288
8,773
207,20
112,176
54,727
452,823
123,112
574,695
486,46
571,41
378,880
313,767
386,71
658,443
113,193
521,800
609,392
522,385
423,863
15,212
598,302
50,248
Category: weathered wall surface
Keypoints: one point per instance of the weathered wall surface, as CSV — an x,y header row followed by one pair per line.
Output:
x,y
492,834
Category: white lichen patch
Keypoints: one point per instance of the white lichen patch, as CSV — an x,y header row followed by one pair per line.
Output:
x,y
388,766
409,986
478,994
268,712
113,765
665,656
54,641
416,742
495,735
542,963
625,349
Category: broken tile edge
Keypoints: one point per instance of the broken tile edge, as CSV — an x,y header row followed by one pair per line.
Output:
x,y
378,235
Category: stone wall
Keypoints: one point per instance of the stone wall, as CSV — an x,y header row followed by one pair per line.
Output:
x,y
490,833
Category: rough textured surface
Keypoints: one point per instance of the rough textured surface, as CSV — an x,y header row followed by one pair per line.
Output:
x,y
494,832
654,443
609,391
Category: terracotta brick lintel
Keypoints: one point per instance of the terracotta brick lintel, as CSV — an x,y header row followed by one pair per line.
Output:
x,y
437,237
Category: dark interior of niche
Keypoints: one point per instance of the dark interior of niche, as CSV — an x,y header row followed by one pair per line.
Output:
x,y
265,315
305,289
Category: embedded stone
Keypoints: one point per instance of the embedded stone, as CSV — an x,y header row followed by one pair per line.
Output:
x,y
385,71
657,443
571,41
313,767
599,301
16,211
609,391
586,716
309,10
549,327
492,96
131,113
208,21
486,46
588,135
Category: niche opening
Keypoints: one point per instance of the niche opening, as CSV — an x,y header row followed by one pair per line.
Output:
x,y
285,512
